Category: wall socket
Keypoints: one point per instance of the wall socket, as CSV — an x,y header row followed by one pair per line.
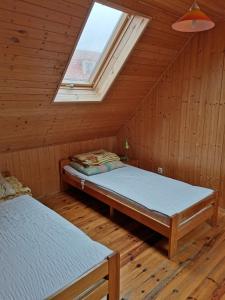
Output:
x,y
160,170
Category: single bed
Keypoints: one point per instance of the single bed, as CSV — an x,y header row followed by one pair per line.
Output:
x,y
170,207
43,256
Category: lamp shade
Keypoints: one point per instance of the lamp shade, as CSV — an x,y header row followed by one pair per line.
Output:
x,y
193,21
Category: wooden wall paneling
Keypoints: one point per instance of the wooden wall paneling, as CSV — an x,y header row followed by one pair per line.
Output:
x,y
191,113
220,165
36,40
39,167
41,12
186,131
220,129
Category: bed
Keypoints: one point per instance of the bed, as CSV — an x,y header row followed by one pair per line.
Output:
x,y
170,207
43,256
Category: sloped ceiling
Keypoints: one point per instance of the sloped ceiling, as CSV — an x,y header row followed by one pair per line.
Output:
x,y
36,40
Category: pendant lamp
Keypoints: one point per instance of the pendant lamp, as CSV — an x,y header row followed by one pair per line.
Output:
x,y
194,20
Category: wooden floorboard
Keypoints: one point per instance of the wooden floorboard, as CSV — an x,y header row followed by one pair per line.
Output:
x,y
198,271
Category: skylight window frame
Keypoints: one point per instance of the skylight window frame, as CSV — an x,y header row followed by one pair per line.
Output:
x,y
95,92
108,49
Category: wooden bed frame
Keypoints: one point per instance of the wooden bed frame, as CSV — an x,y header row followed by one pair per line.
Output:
x,y
174,228
100,281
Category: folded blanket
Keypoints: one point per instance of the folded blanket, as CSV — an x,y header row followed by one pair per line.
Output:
x,y
11,187
6,190
95,158
19,188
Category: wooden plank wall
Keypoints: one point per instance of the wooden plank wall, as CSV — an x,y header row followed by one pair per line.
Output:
x,y
36,40
38,167
180,125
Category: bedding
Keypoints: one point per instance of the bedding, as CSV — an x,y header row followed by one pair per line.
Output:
x,y
152,191
6,190
11,187
19,188
93,170
41,252
95,158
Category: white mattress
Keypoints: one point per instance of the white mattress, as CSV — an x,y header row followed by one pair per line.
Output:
x,y
155,192
41,252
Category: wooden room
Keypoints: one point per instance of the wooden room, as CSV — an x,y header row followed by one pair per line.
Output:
x,y
112,142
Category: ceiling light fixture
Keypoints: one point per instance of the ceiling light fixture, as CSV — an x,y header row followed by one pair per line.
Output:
x,y
194,20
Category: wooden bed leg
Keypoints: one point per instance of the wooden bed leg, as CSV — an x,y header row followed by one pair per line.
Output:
x,y
111,212
114,277
214,219
63,186
173,240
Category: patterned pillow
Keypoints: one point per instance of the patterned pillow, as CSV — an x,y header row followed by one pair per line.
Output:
x,y
93,170
6,190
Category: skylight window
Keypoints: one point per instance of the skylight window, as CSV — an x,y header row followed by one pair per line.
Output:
x,y
100,29
106,41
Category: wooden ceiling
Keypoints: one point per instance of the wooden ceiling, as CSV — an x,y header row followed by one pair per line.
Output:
x,y
36,41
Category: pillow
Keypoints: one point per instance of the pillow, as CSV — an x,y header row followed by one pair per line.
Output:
x,y
93,170
6,190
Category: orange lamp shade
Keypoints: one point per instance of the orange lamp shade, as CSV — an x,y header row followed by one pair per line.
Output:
x,y
194,21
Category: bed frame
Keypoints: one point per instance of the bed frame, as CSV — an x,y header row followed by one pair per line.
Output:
x,y
173,228
100,281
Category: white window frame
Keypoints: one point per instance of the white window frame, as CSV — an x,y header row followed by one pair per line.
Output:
x,y
114,60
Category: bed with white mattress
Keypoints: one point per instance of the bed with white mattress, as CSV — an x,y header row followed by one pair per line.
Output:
x,y
168,206
44,256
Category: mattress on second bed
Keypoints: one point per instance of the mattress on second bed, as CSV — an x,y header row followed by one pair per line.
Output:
x,y
155,192
41,252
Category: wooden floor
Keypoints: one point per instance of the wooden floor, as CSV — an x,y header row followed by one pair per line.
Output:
x,y
198,272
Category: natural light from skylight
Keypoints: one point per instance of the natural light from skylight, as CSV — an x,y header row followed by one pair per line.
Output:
x,y
106,41
94,41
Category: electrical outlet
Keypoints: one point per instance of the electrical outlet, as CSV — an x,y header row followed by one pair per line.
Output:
x,y
160,170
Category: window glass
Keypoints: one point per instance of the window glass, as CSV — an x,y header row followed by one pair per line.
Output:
x,y
97,33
